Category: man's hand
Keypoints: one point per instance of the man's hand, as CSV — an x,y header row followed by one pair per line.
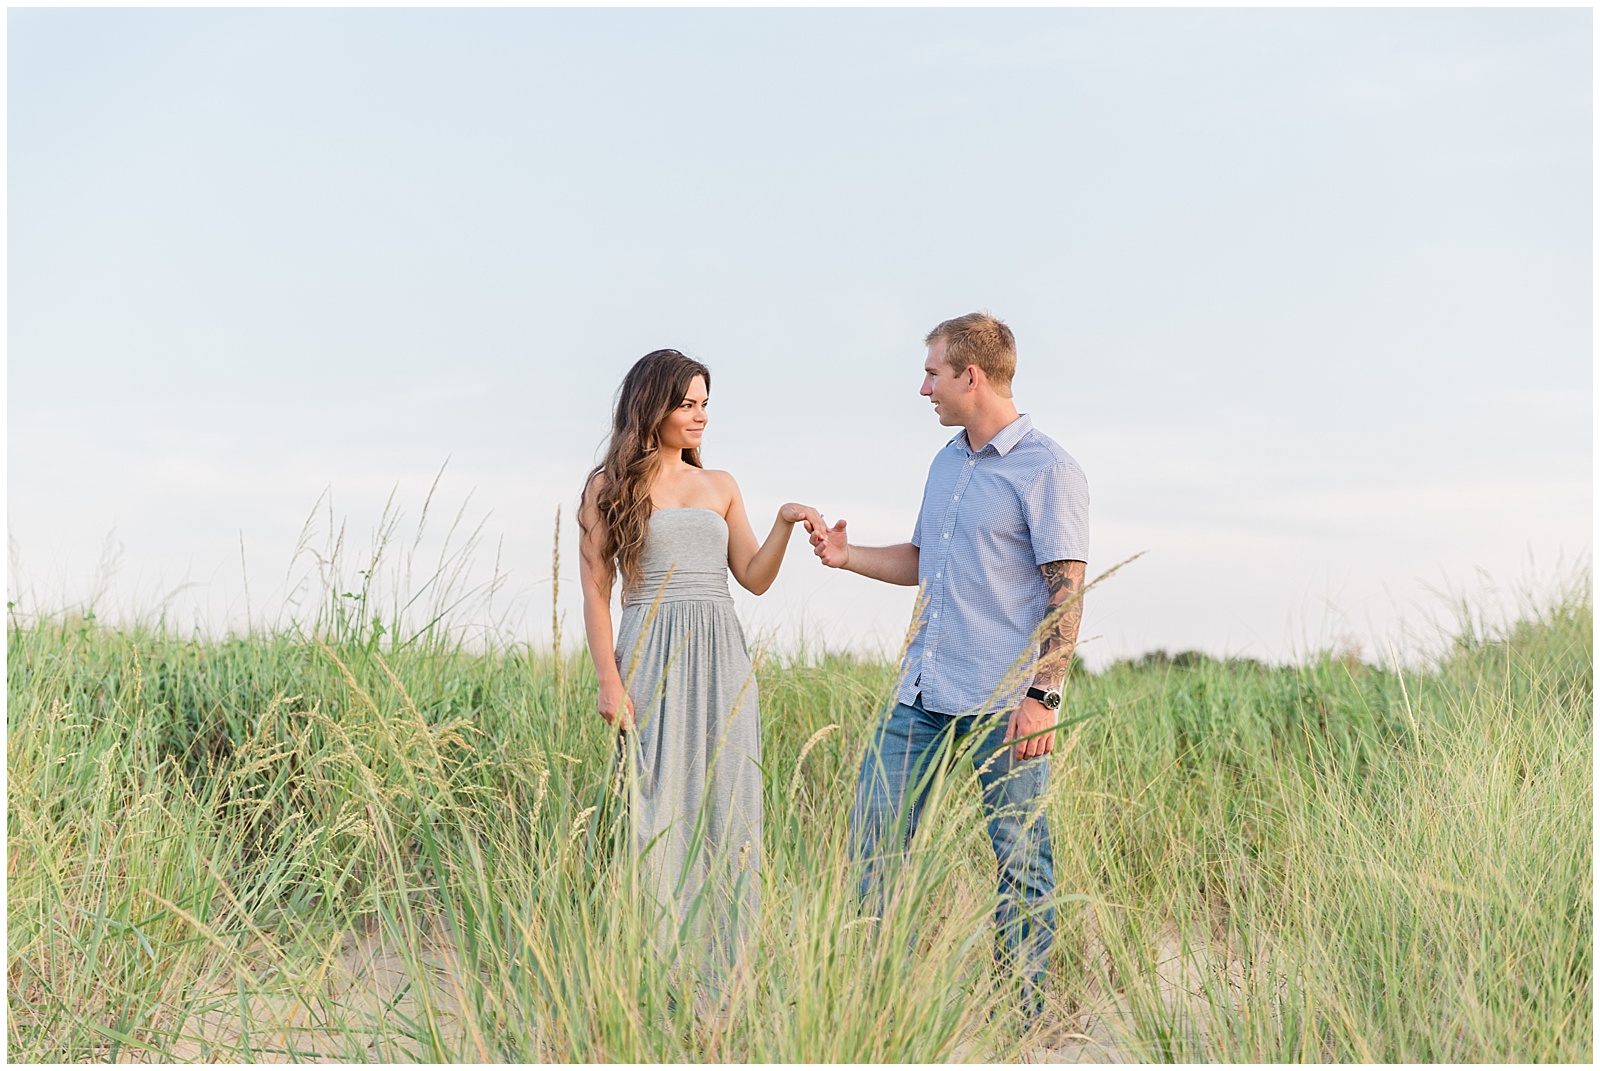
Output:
x,y
830,544
895,564
1029,718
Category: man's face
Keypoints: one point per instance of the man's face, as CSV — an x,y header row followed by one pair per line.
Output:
x,y
948,390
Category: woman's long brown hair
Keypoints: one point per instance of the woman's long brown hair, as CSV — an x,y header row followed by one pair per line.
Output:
x,y
651,390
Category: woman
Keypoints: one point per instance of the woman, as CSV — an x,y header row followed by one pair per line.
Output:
x,y
678,681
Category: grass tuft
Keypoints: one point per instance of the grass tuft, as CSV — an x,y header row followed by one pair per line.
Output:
x,y
369,845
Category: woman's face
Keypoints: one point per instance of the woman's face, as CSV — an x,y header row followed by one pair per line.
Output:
x,y
684,426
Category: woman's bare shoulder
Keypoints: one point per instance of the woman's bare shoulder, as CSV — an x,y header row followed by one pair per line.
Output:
x,y
590,498
722,481
721,477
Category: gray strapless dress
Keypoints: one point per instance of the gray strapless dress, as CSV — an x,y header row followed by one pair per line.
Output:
x,y
696,796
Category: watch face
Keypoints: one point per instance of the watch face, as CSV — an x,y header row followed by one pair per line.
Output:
x,y
1052,700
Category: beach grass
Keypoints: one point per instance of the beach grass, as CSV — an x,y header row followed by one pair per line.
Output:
x,y
361,843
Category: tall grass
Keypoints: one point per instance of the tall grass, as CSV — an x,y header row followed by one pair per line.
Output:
x,y
380,845
1349,863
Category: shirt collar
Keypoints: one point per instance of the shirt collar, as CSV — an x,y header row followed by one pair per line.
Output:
x,y
1004,439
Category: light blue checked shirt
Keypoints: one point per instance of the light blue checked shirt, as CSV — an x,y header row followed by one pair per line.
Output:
x,y
989,520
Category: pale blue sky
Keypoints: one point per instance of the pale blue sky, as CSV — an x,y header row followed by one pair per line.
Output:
x,y
1307,293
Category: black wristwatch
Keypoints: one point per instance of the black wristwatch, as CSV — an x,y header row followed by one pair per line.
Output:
x,y
1050,699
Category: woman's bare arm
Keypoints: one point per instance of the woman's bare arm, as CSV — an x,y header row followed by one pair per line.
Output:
x,y
756,567
595,577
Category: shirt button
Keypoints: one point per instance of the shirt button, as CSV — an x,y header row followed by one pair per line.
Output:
x,y
938,576
955,498
936,613
972,461
947,535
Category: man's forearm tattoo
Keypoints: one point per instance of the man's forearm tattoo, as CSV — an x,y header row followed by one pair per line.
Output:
x,y
1064,580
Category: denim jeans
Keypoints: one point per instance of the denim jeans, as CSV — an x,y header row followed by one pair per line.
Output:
x,y
883,820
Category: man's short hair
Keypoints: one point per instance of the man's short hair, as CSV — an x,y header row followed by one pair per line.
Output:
x,y
980,339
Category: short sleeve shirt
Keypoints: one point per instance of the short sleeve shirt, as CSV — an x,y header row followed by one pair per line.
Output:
x,y
989,519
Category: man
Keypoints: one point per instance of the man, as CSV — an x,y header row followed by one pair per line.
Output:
x,y
998,550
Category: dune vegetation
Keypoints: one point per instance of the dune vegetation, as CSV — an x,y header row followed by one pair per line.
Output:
x,y
359,842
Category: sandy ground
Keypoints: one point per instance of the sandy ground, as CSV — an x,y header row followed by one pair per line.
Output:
x,y
368,1010
1102,1027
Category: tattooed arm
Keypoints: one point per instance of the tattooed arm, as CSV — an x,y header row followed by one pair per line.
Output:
x,y
1064,580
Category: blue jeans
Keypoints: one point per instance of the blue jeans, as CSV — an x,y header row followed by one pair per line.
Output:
x,y
898,765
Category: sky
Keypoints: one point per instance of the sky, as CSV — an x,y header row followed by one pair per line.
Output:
x,y
1307,293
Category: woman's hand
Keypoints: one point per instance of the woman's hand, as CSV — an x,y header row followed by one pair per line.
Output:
x,y
615,706
795,512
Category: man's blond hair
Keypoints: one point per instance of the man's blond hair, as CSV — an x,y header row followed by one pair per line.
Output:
x,y
980,339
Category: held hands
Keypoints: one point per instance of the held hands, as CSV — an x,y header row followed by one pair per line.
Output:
x,y
615,706
1029,718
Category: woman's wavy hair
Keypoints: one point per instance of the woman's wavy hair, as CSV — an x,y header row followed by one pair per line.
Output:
x,y
651,390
